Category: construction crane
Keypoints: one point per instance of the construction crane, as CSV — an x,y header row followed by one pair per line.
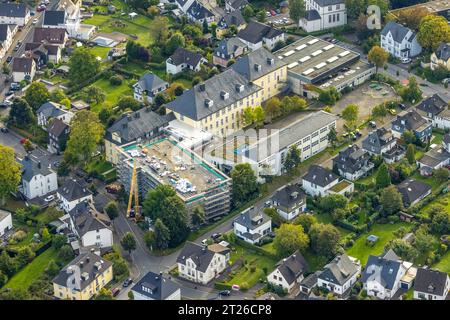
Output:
x,y
133,192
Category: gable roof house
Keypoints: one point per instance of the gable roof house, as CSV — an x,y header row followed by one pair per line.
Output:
x,y
382,275
183,59
54,36
256,34
72,193
43,53
319,181
141,124
289,272
381,142
14,13
289,201
5,222
399,41
38,176
413,191
233,18
233,5
436,110
414,122
198,13
23,69
352,163
58,134
52,110
228,49
200,264
7,33
323,14
441,57
92,227
435,158
83,277
339,275
154,286
148,86
54,19
252,225
431,284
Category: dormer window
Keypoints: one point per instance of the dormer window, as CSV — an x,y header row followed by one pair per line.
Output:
x,y
257,67
224,95
239,87
208,103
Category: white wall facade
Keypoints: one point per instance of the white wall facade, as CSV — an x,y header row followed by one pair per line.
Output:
x,y
20,21
338,289
276,279
102,238
40,185
174,296
189,270
263,229
395,48
69,205
6,224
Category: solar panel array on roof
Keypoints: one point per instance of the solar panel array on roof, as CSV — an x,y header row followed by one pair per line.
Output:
x,y
280,57
316,53
343,54
293,64
328,47
310,70
313,41
291,52
320,65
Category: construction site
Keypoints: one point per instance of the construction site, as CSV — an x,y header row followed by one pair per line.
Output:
x,y
166,162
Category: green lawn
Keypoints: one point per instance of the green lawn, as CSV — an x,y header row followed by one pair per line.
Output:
x,y
443,200
437,138
113,93
27,240
444,264
48,215
101,52
32,271
244,274
435,185
385,233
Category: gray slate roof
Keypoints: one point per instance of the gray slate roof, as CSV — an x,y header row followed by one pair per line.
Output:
x,y
54,18
228,47
320,176
324,3
182,55
233,18
412,121
430,281
383,268
198,11
435,157
22,64
247,65
433,105
83,217
446,138
351,159
4,31
289,196
50,110
443,51
397,30
238,3
136,124
339,271
201,256
33,166
87,263
252,218
13,10
255,31
72,190
157,286
193,103
312,15
150,82
377,139
293,267
57,128
411,190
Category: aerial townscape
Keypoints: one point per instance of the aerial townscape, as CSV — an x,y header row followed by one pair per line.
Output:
x,y
224,150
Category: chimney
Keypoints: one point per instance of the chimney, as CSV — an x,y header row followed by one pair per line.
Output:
x,y
294,195
81,264
87,259
201,87
137,115
39,165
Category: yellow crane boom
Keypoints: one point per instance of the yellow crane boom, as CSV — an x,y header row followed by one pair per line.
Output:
x,y
133,192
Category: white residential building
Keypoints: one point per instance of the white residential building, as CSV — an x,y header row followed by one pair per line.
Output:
x,y
7,33
182,60
14,13
339,275
148,86
252,225
431,284
399,41
38,177
71,194
51,110
318,180
256,34
5,222
23,69
202,264
382,275
154,286
289,201
323,14
289,272
90,226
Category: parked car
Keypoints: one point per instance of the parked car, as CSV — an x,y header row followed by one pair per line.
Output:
x,y
405,60
113,188
393,112
49,198
216,236
9,59
4,130
115,292
15,86
225,293
35,21
204,242
402,106
127,282
446,81
372,124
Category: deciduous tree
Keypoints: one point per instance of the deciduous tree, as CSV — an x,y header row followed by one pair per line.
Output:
x,y
289,238
433,30
36,95
391,200
378,56
128,242
83,65
383,179
244,183
10,173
